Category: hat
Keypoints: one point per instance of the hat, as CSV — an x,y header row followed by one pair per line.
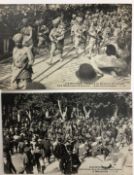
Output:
x,y
94,144
26,149
79,19
56,21
87,12
73,15
24,20
99,138
86,72
39,140
41,21
37,22
17,38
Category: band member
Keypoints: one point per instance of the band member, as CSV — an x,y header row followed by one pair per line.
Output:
x,y
86,26
78,34
42,33
98,41
73,22
22,64
57,38
92,40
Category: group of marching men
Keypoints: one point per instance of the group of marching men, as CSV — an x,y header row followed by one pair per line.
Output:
x,y
97,30
94,32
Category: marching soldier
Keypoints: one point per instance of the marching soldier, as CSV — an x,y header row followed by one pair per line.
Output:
x,y
27,32
99,39
42,33
78,34
73,22
86,26
92,40
57,38
22,64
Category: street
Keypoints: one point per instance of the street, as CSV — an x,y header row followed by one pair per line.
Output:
x,y
62,75
92,165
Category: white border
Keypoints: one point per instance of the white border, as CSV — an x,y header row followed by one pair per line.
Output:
x,y
84,91
66,2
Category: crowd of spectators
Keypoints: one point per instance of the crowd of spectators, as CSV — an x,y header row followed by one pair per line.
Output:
x,y
100,128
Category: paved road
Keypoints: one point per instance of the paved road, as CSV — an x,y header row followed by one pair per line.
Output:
x,y
62,75
88,167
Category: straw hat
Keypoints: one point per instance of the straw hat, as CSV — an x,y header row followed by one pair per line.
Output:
x,y
73,15
17,38
56,21
24,20
79,19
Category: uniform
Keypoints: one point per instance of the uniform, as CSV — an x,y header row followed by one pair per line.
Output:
x,y
78,36
42,34
22,64
73,22
92,40
27,36
86,25
57,40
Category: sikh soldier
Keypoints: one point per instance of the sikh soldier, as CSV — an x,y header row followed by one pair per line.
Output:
x,y
22,64
57,38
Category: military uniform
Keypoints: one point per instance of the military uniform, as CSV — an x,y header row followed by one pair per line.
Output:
x,y
22,65
57,39
27,36
92,40
42,34
73,22
78,34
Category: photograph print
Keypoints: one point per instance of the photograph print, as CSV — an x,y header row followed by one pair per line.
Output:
x,y
65,46
67,133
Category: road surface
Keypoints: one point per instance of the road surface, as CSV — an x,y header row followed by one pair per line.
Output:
x,y
62,75
92,165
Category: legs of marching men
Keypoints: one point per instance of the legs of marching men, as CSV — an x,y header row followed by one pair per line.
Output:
x,y
6,46
52,52
72,38
76,45
66,166
91,48
54,46
61,45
